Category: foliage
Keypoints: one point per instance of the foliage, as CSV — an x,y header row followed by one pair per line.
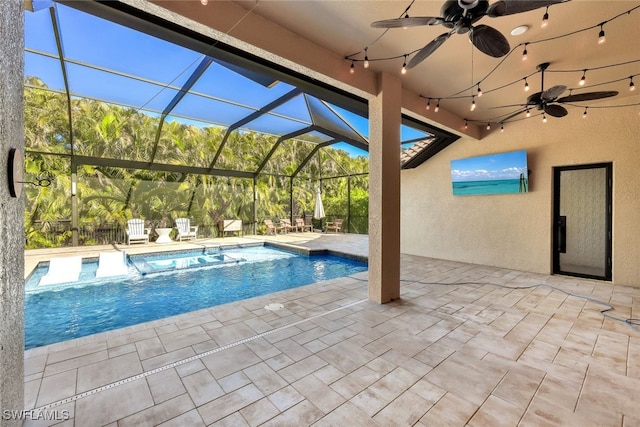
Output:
x,y
111,195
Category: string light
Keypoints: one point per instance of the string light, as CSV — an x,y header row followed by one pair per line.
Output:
x,y
428,104
501,127
544,118
437,106
352,69
488,125
601,37
479,91
632,87
583,79
545,18
466,124
584,115
528,113
473,103
526,85
404,66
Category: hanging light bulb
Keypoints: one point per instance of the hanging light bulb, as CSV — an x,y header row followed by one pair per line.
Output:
x,y
584,115
524,52
526,85
366,58
544,118
632,87
404,66
204,2
488,125
528,113
352,69
479,91
437,106
428,104
473,103
466,124
545,18
501,127
583,79
601,37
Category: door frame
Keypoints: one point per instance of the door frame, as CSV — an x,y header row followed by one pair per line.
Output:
x,y
557,170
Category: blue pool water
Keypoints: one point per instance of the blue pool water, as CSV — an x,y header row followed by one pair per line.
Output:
x,y
57,313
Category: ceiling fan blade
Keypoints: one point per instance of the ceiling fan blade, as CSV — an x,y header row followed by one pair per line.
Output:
x,y
508,106
588,96
511,7
489,41
407,21
555,110
511,116
534,99
428,50
553,92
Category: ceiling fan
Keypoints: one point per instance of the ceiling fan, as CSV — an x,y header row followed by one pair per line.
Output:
x,y
460,16
548,101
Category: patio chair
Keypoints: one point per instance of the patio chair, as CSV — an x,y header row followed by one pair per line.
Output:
x,y
285,225
185,229
271,228
136,232
308,221
335,225
300,225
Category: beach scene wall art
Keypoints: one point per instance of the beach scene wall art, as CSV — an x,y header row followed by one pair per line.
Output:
x,y
501,173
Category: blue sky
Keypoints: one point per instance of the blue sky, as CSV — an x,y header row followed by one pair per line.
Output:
x,y
162,67
494,166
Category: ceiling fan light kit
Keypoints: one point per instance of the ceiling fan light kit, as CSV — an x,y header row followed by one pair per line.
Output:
x,y
519,30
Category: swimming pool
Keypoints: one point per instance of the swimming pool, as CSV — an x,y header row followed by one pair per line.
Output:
x,y
62,312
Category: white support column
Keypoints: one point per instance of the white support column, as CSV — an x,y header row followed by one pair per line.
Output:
x,y
384,190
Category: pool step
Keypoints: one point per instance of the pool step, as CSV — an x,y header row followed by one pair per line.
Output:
x,y
146,266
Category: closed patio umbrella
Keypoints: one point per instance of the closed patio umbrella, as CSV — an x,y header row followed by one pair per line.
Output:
x,y
318,213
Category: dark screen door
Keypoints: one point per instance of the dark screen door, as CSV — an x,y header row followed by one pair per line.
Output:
x,y
582,221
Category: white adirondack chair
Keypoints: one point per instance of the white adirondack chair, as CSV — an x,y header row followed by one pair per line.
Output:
x,y
185,229
136,231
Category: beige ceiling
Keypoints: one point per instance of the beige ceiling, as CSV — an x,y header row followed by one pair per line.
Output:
x,y
343,27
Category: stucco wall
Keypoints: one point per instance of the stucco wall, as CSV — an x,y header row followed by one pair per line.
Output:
x,y
11,212
514,231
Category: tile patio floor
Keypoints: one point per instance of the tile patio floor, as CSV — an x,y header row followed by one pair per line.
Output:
x,y
472,352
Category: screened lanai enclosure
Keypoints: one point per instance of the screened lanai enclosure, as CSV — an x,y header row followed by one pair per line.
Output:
x,y
130,117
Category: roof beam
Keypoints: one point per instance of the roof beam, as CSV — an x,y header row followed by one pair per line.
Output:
x,y
251,117
162,167
193,78
63,68
308,158
343,138
277,144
